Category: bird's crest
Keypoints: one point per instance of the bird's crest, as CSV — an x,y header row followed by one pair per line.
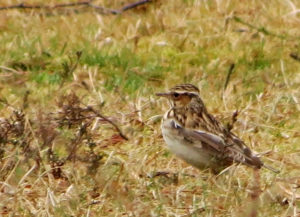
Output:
x,y
183,88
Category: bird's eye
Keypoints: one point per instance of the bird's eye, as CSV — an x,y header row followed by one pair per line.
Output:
x,y
176,95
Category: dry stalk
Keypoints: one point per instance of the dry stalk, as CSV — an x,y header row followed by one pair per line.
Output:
x,y
89,4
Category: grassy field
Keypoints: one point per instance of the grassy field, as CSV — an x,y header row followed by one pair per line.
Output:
x,y
65,73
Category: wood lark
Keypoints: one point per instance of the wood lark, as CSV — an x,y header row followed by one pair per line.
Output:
x,y
199,138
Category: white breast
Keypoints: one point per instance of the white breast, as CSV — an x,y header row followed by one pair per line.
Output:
x,y
182,148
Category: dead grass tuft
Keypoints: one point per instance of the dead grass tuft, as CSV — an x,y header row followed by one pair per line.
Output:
x,y
80,131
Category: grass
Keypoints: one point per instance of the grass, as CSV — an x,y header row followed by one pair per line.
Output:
x,y
58,158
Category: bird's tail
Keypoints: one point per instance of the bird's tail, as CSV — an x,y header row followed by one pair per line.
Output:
x,y
271,168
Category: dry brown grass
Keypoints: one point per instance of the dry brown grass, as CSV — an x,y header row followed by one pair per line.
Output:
x,y
59,158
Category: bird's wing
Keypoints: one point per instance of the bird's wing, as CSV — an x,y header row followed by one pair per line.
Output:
x,y
196,136
233,149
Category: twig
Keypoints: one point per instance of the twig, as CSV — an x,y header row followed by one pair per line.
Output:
x,y
229,126
229,75
26,6
262,29
135,4
99,9
107,120
234,119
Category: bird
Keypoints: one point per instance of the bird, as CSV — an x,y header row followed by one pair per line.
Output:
x,y
199,138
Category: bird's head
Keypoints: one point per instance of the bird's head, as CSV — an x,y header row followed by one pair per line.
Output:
x,y
181,95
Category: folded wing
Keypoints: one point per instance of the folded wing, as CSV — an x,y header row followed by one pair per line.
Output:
x,y
232,149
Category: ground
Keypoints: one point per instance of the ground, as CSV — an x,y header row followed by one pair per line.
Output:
x,y
80,122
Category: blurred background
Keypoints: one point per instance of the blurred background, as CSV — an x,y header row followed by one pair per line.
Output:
x,y
80,122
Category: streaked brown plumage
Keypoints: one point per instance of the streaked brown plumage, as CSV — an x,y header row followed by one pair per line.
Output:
x,y
198,137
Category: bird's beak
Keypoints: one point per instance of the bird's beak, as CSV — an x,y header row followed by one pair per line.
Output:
x,y
163,94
